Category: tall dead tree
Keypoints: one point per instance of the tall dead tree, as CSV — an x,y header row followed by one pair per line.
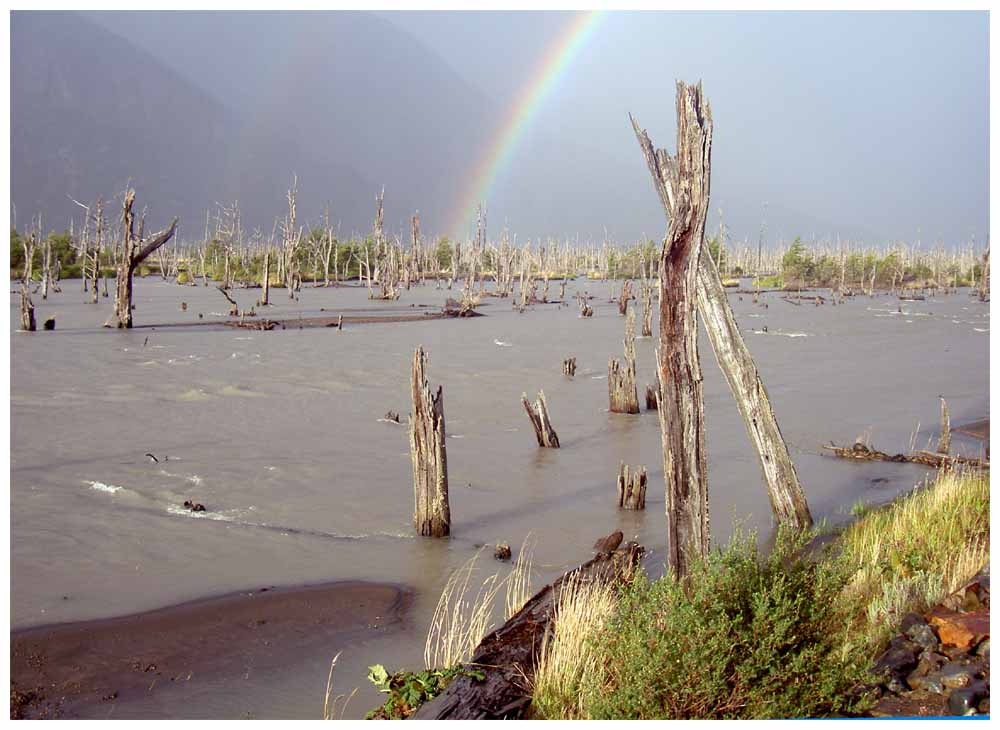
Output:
x,y
788,502
681,403
431,512
134,250
623,397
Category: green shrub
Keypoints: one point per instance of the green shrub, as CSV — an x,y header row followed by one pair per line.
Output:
x,y
745,636
183,278
408,690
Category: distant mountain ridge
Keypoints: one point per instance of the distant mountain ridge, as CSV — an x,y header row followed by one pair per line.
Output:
x,y
339,101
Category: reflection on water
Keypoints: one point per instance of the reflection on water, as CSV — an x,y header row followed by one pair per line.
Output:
x,y
282,436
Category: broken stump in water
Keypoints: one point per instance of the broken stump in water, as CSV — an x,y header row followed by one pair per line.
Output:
x,y
50,324
432,513
569,366
585,309
631,488
651,398
502,551
622,394
539,415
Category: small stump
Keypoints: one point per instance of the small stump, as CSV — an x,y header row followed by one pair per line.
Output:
x,y
502,551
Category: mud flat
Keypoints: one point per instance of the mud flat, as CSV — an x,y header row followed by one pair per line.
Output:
x,y
68,670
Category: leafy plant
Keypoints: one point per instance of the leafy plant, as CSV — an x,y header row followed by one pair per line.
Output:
x,y
408,690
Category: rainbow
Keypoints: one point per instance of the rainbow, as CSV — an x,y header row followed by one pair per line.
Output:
x,y
552,66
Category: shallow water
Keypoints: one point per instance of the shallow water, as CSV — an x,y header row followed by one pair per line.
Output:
x,y
279,435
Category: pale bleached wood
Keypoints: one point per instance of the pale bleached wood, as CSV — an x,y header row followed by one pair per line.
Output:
x,y
431,511
623,396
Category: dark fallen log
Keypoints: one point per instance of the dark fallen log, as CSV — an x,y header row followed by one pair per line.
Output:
x,y
253,324
508,655
860,452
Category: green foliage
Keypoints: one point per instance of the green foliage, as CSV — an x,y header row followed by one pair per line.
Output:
x,y
745,636
443,253
408,690
183,278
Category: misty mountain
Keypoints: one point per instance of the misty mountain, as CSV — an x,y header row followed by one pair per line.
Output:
x,y
345,102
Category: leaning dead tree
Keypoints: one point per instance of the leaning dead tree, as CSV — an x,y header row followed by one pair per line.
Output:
x,y
631,488
681,404
623,397
788,502
134,250
539,415
431,512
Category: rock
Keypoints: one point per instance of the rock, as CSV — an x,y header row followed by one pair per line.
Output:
x,y
502,551
910,620
962,702
194,506
983,649
898,660
984,706
971,600
923,635
955,675
961,630
896,686
926,683
50,323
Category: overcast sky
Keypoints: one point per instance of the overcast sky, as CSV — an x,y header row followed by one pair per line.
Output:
x,y
858,124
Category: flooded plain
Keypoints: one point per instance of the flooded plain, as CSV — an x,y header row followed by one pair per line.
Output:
x,y
281,436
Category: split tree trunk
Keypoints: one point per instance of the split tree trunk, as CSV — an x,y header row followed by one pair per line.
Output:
x,y
623,397
539,415
27,310
631,488
431,512
681,402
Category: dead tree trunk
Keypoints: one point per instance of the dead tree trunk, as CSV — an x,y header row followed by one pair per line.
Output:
x,y
539,415
631,488
27,309
265,297
431,512
585,309
135,250
788,501
624,297
984,278
569,366
944,442
651,397
681,403
787,498
647,309
623,397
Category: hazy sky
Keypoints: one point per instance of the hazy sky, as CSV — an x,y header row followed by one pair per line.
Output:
x,y
861,125
872,124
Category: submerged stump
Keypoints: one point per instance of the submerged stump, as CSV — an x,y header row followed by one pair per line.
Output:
x,y
539,415
631,488
623,397
569,366
431,512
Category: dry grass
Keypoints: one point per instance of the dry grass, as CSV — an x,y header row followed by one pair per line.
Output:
x,y
567,659
330,708
460,622
913,553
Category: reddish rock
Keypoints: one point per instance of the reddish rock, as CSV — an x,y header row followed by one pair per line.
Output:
x,y
962,630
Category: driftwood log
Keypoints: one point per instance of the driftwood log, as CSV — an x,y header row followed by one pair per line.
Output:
x,y
682,183
508,656
623,396
631,488
862,452
431,511
539,415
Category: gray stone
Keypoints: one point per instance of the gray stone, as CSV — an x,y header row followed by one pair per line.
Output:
x,y
983,649
923,635
926,683
910,620
962,702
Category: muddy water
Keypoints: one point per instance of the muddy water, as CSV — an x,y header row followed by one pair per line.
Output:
x,y
279,435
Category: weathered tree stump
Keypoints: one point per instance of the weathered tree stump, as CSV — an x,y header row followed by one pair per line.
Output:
x,y
431,512
27,310
569,366
585,309
647,309
625,295
631,488
539,415
623,397
652,398
682,183
49,324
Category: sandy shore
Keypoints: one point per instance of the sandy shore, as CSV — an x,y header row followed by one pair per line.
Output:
x,y
59,670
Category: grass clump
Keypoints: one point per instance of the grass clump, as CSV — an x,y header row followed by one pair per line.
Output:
x,y
745,636
911,554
